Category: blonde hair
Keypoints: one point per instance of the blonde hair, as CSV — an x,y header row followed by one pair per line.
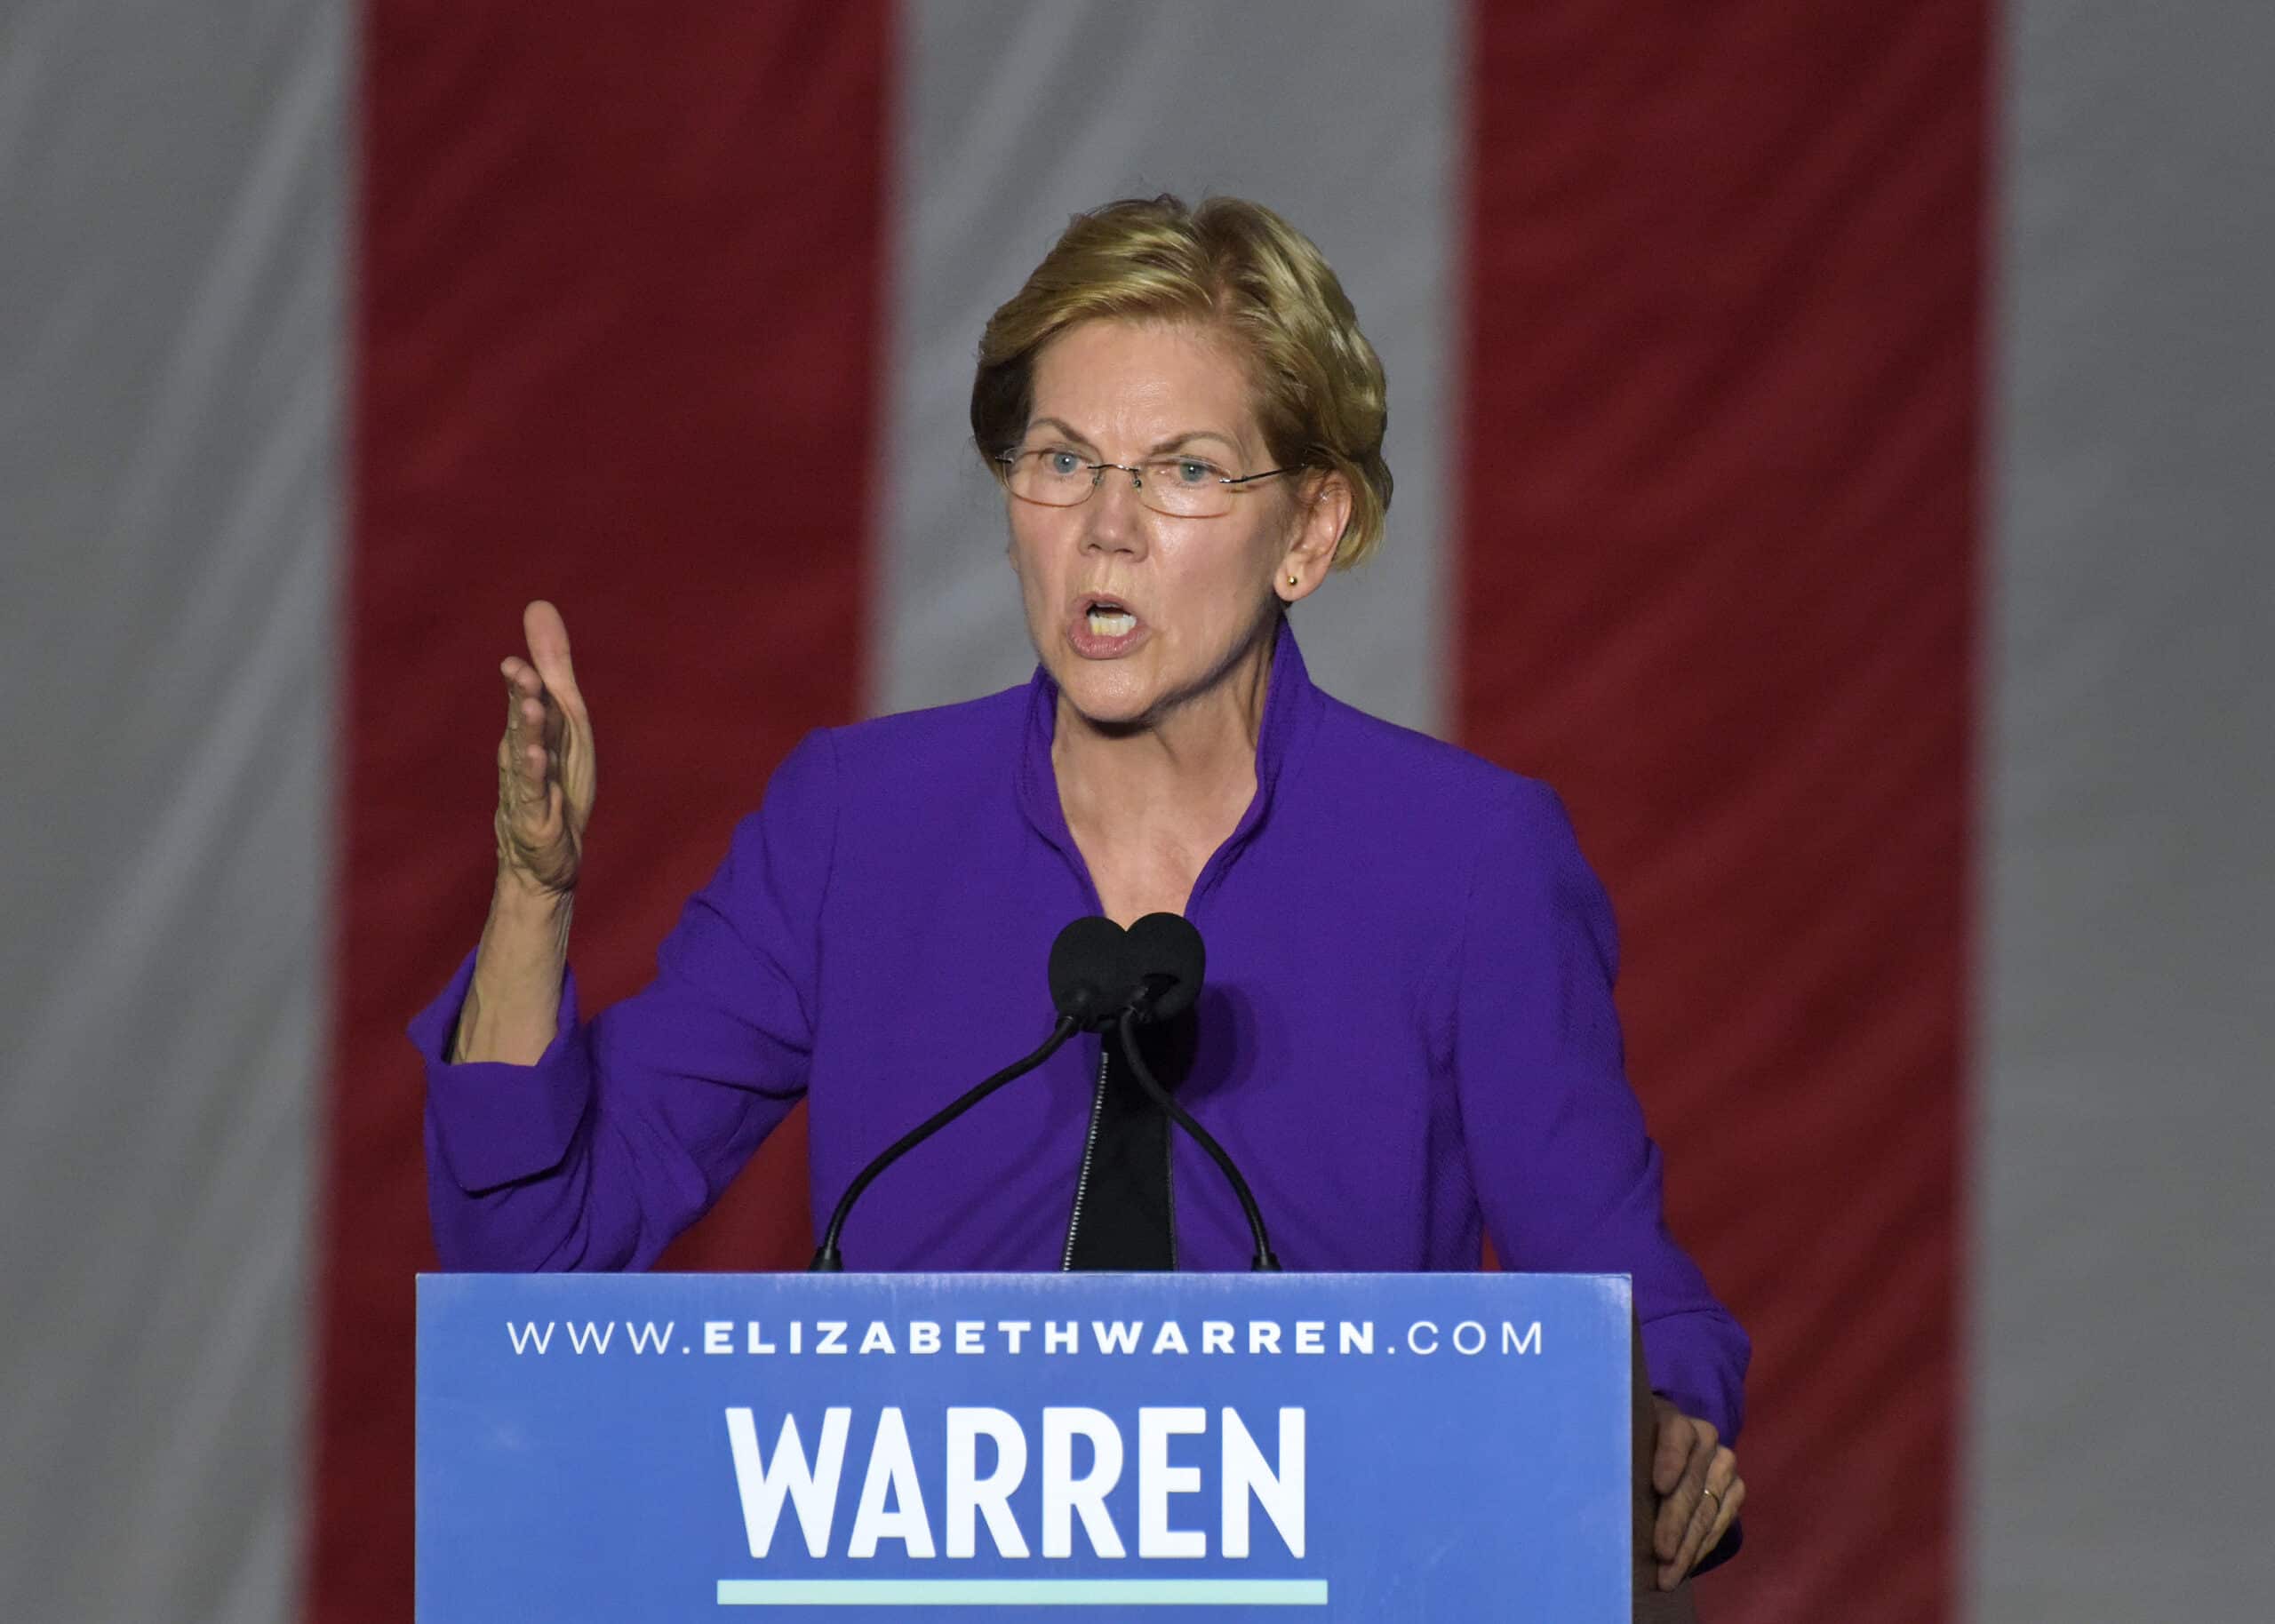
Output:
x,y
1236,265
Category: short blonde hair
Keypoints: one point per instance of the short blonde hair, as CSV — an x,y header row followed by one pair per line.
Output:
x,y
1319,386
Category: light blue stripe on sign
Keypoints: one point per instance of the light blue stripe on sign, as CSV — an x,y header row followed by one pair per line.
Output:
x,y
1023,1593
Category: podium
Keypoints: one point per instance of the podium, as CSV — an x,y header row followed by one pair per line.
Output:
x,y
719,1448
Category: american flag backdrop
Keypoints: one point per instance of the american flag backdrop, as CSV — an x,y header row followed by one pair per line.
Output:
x,y
1831,446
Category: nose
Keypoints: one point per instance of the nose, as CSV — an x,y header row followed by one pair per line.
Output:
x,y
1113,519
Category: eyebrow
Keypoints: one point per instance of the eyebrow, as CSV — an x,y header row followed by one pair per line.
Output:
x,y
1170,444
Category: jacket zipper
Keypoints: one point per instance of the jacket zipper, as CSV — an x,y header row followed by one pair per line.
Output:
x,y
1090,1148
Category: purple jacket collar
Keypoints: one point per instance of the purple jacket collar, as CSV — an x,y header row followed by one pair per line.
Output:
x,y
1291,708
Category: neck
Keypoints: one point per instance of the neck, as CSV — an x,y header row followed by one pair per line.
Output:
x,y
1192,763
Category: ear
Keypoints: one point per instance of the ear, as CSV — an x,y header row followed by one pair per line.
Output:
x,y
1323,508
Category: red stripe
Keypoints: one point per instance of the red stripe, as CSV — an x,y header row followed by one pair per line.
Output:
x,y
1719,587
618,306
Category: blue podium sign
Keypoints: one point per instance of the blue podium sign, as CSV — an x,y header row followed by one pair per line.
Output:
x,y
664,1447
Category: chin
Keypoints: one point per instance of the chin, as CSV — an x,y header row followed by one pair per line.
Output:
x,y
1105,696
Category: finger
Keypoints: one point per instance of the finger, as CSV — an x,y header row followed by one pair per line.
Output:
x,y
548,643
1731,1501
521,676
523,689
525,738
1671,1451
554,728
1698,1537
1694,1541
1683,1502
525,735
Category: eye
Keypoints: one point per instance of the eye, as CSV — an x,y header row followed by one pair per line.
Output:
x,y
1192,471
1061,463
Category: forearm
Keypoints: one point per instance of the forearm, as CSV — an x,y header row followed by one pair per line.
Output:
x,y
513,1005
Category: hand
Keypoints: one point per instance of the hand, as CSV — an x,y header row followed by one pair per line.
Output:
x,y
1699,1491
546,769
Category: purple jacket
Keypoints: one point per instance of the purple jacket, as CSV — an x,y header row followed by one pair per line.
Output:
x,y
1407,1036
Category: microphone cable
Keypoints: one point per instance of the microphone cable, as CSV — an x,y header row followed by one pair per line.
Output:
x,y
826,1258
1264,1261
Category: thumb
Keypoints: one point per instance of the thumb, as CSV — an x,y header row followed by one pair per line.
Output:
x,y
548,643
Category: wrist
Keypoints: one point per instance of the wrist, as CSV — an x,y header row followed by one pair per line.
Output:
x,y
526,895
524,910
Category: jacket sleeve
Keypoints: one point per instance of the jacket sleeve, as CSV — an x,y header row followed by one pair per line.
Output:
x,y
630,1126
1567,1177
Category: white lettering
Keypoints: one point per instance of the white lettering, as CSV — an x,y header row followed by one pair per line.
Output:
x,y
1169,1339
1413,1336
892,1470
833,1336
526,1335
813,1492
1472,1346
968,1336
1061,1335
1120,1337
1280,1493
1014,1329
1157,1480
1529,1342
1357,1337
1063,1493
1263,1336
1215,1336
877,1338
923,1336
590,1338
891,1503
970,1495
1310,1334
756,1344
718,1336
647,1338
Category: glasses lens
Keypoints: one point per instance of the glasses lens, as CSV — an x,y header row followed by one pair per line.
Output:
x,y
1051,475
1189,487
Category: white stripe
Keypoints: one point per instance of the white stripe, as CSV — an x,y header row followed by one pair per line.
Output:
x,y
172,182
2127,1064
1346,119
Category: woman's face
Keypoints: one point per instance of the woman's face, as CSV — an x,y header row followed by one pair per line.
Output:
x,y
1135,612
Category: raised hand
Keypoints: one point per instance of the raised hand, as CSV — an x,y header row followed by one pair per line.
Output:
x,y
546,765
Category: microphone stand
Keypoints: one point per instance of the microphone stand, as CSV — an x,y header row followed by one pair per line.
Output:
x,y
826,1257
1263,1262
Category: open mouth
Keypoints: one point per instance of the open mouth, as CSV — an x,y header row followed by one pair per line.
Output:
x,y
1108,617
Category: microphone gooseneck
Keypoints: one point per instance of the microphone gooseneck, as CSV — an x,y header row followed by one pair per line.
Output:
x,y
1264,1261
1168,957
1102,979
826,1258
1089,971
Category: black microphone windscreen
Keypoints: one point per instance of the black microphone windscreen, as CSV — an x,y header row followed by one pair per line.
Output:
x,y
1090,969
1167,953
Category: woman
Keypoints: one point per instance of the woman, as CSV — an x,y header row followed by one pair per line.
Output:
x,y
1408,1037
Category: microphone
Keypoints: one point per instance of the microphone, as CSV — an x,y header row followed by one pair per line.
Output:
x,y
1166,951
1089,973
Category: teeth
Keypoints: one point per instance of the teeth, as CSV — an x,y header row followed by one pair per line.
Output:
x,y
1111,622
